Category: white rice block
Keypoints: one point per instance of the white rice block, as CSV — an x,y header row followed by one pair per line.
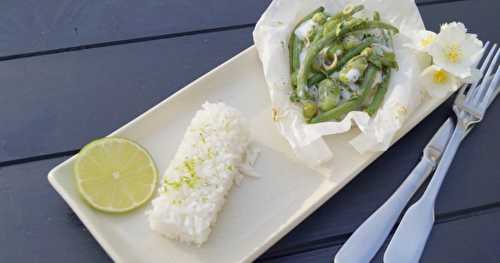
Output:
x,y
201,174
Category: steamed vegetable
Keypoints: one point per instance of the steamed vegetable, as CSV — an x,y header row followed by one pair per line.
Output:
x,y
328,94
341,64
354,104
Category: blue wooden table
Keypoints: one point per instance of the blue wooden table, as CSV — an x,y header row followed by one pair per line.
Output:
x,y
71,71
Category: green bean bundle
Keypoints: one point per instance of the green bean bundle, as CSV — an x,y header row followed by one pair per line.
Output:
x,y
340,63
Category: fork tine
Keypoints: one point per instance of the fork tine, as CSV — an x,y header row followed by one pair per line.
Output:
x,y
484,87
461,92
492,91
472,91
488,57
478,92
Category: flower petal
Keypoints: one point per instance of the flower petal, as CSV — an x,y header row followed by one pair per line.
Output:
x,y
424,40
437,82
456,51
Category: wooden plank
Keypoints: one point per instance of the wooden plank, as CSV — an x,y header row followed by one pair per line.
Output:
x,y
36,224
32,213
472,239
59,102
30,26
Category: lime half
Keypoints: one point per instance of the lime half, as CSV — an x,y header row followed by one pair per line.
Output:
x,y
115,174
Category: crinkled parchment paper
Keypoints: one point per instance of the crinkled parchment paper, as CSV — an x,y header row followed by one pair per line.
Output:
x,y
271,36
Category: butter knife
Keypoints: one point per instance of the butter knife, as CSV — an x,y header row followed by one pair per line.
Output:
x,y
368,238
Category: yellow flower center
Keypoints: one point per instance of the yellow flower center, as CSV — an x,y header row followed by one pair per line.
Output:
x,y
440,77
426,41
453,53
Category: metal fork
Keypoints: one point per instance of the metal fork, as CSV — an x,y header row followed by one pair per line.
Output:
x,y
470,105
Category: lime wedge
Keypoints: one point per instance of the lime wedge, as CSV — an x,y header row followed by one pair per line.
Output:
x,y
115,174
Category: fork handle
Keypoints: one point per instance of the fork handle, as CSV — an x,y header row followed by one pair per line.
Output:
x,y
408,242
369,237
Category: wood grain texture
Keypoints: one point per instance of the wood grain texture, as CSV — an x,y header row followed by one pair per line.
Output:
x,y
51,94
473,239
36,224
59,102
30,25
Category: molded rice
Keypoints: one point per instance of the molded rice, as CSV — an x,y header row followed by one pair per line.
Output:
x,y
201,174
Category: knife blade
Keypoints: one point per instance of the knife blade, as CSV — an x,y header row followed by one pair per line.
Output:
x,y
364,243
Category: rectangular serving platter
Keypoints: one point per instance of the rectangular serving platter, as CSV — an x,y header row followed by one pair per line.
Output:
x,y
258,212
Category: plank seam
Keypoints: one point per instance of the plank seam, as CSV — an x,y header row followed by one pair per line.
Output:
x,y
38,158
436,2
123,42
157,37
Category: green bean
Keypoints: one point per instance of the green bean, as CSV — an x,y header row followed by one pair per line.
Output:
x,y
305,67
329,94
294,97
316,77
317,67
348,12
293,78
379,96
376,16
336,113
375,25
375,60
351,53
354,104
330,25
312,52
342,61
388,60
317,46
297,47
291,41
368,80
318,33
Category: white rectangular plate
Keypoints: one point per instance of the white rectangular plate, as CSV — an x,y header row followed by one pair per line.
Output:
x,y
259,211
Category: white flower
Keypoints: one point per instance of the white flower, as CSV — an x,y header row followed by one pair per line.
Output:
x,y
424,39
456,51
437,82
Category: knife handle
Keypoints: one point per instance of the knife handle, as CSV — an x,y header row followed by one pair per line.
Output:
x,y
369,237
